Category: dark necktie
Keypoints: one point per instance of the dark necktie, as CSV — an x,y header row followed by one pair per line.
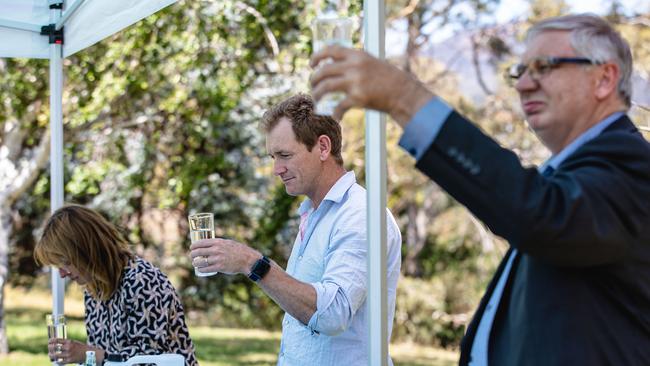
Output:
x,y
548,171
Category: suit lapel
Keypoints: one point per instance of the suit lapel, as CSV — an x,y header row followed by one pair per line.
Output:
x,y
468,339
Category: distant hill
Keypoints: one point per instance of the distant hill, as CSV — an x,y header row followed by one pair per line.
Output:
x,y
456,53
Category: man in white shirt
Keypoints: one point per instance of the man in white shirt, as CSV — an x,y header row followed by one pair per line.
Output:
x,y
323,290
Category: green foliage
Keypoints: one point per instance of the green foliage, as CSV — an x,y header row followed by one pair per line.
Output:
x,y
434,311
547,8
272,229
22,268
161,118
156,117
23,82
422,314
214,346
235,300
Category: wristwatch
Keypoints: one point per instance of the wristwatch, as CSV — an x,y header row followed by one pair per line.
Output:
x,y
260,269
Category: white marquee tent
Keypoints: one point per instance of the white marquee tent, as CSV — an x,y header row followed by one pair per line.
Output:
x,y
55,29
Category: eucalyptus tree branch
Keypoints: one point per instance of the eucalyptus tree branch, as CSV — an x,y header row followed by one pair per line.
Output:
x,y
477,64
108,123
29,169
102,117
444,13
406,11
641,106
446,70
273,42
14,135
640,21
487,241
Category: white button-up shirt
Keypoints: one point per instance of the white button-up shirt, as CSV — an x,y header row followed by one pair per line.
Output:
x,y
332,258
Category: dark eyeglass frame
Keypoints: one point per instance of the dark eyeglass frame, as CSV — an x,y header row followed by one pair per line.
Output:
x,y
541,66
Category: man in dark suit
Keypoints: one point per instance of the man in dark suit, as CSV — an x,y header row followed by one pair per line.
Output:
x,y
574,288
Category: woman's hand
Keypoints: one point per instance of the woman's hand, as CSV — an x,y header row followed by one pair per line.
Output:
x,y
67,351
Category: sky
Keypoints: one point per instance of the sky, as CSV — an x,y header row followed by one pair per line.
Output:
x,y
507,10
396,36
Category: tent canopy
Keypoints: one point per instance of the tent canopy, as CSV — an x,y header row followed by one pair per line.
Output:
x,y
85,22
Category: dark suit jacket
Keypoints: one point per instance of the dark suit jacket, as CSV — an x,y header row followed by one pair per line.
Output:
x,y
579,289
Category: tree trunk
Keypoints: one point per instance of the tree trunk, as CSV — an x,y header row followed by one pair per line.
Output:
x,y
5,232
20,168
416,239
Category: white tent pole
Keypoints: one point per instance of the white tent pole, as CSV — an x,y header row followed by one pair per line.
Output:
x,y
376,185
20,25
68,13
56,151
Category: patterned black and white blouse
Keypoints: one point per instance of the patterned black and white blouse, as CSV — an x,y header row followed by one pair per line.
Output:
x,y
143,317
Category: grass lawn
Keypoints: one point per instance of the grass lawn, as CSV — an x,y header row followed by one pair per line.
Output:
x,y
25,317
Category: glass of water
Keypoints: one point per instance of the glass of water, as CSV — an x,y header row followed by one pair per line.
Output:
x,y
56,326
56,329
201,227
330,28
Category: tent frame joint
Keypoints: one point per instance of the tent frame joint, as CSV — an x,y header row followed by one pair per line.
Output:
x,y
56,36
56,4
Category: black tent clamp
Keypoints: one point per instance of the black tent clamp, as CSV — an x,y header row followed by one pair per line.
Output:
x,y
56,4
56,36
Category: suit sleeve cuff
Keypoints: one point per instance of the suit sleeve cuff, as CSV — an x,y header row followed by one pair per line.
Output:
x,y
424,127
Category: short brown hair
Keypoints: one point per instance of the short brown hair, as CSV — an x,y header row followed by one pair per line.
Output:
x,y
306,125
78,236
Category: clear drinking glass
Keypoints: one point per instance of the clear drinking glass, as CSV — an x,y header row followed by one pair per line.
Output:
x,y
56,328
330,28
201,227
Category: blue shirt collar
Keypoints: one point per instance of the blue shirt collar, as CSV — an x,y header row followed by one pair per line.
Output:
x,y
335,193
592,132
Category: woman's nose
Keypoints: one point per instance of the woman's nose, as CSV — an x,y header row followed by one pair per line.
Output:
x,y
63,273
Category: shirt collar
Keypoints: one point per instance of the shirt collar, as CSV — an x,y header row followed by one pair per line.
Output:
x,y
335,194
585,137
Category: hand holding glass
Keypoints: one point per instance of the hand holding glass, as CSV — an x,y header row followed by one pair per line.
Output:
x,y
201,227
330,28
56,329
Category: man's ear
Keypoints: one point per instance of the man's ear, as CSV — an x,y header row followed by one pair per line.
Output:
x,y
324,145
607,82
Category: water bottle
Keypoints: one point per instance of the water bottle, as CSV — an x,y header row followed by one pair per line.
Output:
x,y
90,359
331,28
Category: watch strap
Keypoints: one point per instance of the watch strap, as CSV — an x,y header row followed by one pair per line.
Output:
x,y
260,269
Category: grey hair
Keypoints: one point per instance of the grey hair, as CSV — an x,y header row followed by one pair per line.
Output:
x,y
594,38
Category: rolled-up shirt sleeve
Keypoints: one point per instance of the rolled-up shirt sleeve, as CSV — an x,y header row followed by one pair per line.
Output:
x,y
424,127
342,289
334,313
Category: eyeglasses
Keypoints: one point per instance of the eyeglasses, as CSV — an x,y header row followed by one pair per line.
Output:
x,y
541,66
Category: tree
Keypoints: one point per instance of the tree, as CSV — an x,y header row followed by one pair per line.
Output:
x,y
154,120
161,120
442,242
24,147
